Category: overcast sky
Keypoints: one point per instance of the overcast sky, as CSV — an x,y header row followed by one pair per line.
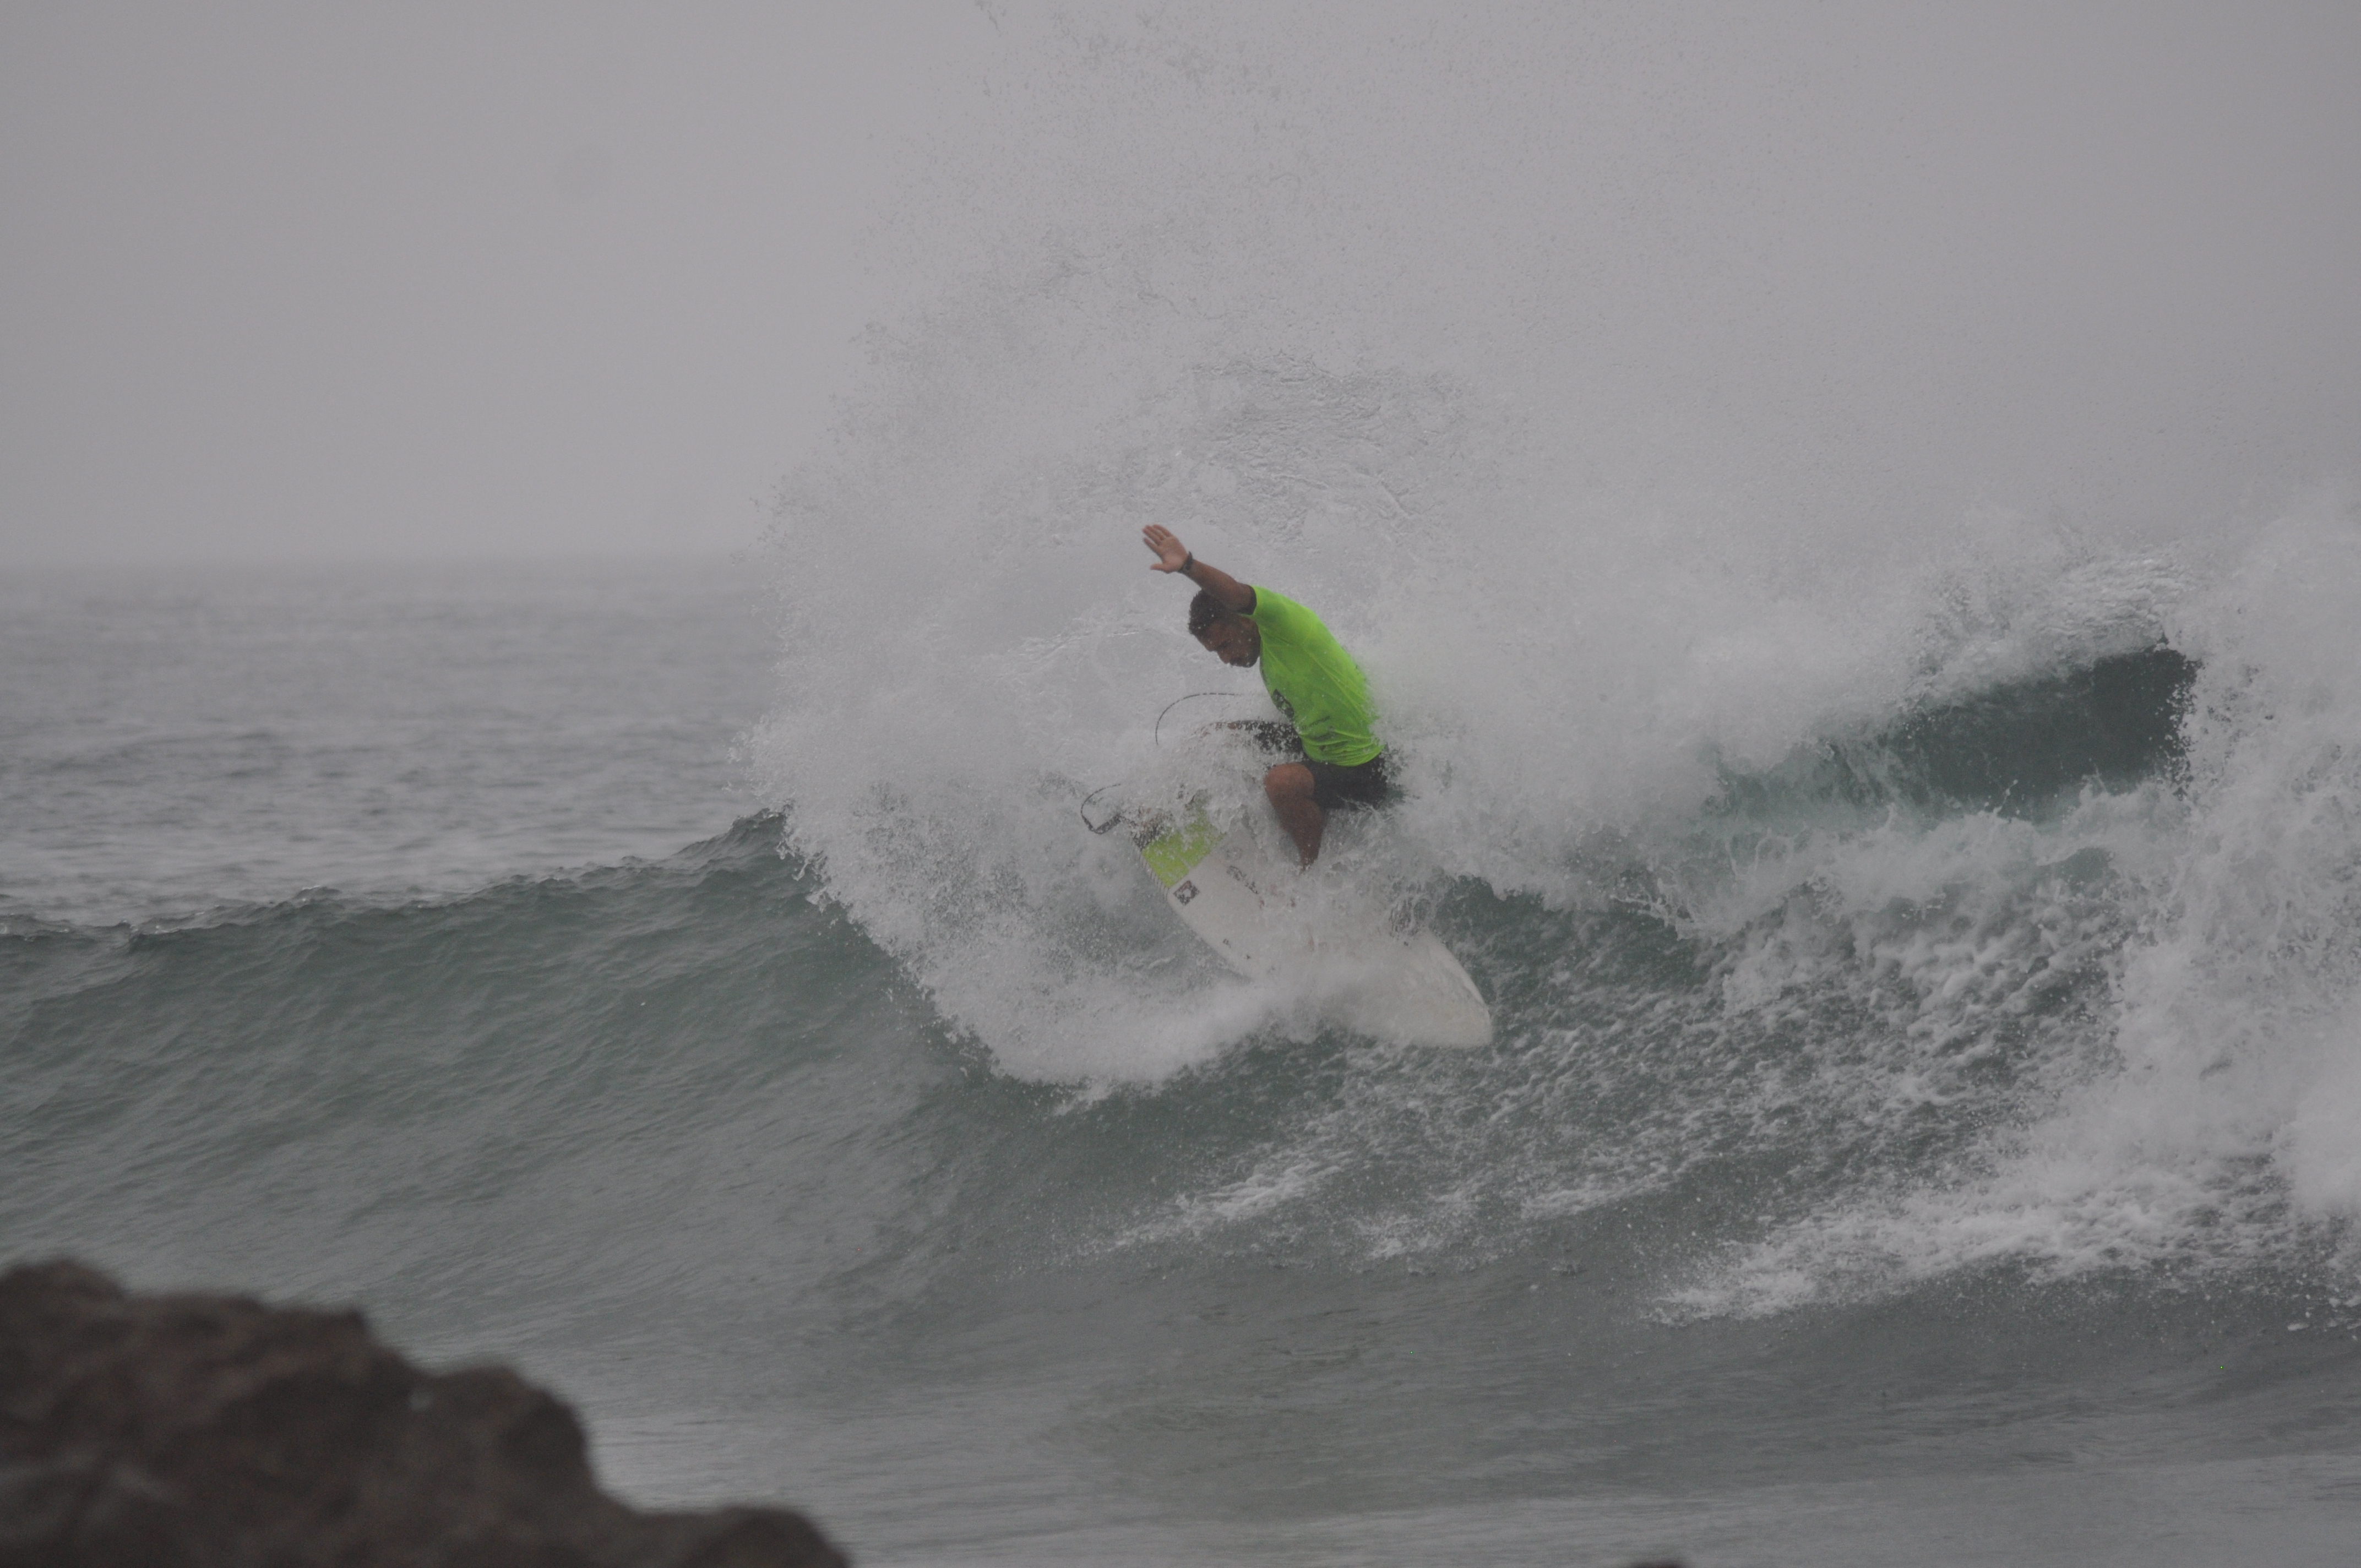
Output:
x,y
302,281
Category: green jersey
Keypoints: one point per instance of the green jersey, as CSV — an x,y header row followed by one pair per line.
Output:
x,y
1316,682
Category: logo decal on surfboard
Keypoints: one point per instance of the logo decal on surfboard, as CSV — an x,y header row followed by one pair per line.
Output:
x,y
1379,970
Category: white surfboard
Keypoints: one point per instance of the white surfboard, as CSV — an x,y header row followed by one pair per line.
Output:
x,y
1393,984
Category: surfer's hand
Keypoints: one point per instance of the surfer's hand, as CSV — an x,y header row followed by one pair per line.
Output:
x,y
1171,553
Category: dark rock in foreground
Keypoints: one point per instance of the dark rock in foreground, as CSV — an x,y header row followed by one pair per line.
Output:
x,y
184,1431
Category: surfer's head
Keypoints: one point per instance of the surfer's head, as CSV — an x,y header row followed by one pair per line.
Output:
x,y
1229,636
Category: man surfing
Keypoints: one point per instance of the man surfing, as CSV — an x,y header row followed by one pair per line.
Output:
x,y
1310,677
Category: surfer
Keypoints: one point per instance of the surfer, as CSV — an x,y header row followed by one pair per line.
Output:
x,y
1310,677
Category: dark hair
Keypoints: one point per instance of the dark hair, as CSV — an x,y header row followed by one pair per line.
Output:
x,y
1204,609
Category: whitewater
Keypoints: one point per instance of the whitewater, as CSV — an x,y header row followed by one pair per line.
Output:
x,y
1892,763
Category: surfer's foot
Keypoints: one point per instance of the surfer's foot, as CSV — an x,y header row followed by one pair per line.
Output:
x,y
1290,787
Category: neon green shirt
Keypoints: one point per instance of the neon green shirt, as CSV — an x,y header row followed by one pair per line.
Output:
x,y
1316,682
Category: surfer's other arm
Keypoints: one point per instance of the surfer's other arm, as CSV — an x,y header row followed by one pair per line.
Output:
x,y
1171,555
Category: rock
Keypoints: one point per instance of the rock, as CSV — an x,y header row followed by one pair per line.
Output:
x,y
186,1431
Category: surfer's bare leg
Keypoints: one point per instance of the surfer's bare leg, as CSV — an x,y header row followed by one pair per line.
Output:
x,y
1289,788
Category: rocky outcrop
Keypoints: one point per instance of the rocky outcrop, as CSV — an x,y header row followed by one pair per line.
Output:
x,y
186,1431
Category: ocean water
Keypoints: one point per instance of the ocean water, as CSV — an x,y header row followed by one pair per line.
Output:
x,y
1938,1142
1885,738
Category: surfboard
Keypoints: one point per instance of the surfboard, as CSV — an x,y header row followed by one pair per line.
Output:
x,y
1382,980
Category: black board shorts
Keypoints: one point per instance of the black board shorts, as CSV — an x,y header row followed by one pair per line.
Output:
x,y
1333,783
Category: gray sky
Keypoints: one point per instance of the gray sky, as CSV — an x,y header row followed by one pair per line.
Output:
x,y
300,280
428,279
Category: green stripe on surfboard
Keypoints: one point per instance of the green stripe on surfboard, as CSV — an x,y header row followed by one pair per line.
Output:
x,y
1174,853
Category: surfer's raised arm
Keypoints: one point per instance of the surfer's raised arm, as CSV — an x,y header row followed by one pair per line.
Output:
x,y
1171,555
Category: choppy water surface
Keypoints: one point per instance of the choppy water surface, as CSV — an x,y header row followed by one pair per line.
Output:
x,y
175,737
1942,1129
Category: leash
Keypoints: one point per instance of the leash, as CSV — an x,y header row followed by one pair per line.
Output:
x,y
1156,735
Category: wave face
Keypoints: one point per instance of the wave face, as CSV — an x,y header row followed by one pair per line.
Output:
x,y
2016,750
1918,992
